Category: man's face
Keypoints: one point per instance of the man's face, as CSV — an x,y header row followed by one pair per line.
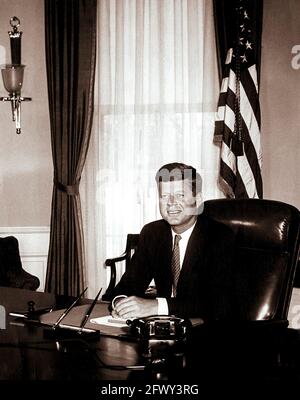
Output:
x,y
177,204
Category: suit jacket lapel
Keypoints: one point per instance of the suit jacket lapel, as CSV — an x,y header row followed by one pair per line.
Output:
x,y
163,262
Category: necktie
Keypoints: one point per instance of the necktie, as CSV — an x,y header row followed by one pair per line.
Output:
x,y
176,263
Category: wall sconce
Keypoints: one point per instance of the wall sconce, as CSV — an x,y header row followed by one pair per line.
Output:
x,y
13,74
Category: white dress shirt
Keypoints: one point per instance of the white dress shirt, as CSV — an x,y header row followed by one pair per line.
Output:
x,y
163,308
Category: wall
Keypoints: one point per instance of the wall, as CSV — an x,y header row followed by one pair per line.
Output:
x,y
25,159
280,101
280,106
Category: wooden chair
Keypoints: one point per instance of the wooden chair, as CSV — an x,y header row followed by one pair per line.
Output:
x,y
131,245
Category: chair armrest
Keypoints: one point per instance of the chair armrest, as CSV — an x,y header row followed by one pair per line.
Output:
x,y
110,261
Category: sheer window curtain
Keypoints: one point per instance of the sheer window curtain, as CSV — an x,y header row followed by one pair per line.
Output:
x,y
156,96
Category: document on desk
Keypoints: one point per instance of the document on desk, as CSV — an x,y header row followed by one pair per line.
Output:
x,y
108,320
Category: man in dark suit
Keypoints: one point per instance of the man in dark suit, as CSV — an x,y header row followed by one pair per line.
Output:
x,y
199,247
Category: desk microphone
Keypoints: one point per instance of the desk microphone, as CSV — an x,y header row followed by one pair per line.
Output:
x,y
58,332
89,311
66,312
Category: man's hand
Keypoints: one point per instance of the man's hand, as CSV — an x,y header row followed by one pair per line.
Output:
x,y
135,307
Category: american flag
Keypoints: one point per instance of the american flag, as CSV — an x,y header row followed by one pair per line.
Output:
x,y
237,125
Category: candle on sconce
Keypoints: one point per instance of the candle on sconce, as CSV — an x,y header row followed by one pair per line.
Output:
x,y
15,41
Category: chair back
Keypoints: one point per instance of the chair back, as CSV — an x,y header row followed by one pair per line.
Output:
x,y
267,250
131,245
12,273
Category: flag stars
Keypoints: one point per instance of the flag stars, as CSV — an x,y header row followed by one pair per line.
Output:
x,y
241,40
246,15
242,27
243,58
248,45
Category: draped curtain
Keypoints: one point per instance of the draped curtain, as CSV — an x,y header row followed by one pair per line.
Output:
x,y
70,30
155,101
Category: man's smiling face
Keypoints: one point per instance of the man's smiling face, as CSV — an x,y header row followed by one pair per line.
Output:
x,y
177,204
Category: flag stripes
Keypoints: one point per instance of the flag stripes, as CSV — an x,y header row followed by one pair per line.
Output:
x,y
240,175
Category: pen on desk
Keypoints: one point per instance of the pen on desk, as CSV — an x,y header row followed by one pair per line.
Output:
x,y
89,311
65,313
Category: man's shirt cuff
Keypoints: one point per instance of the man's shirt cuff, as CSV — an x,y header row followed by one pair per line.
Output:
x,y
163,308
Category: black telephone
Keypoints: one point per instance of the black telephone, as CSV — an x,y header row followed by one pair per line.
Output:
x,y
161,327
162,339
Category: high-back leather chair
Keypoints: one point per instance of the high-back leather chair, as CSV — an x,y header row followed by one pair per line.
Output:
x,y
267,250
12,273
255,343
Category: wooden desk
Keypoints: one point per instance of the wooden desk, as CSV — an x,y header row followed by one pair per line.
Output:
x,y
25,354
216,355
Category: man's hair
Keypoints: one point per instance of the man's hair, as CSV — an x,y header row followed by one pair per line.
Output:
x,y
179,171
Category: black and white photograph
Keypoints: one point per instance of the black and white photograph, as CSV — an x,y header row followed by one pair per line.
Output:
x,y
149,198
